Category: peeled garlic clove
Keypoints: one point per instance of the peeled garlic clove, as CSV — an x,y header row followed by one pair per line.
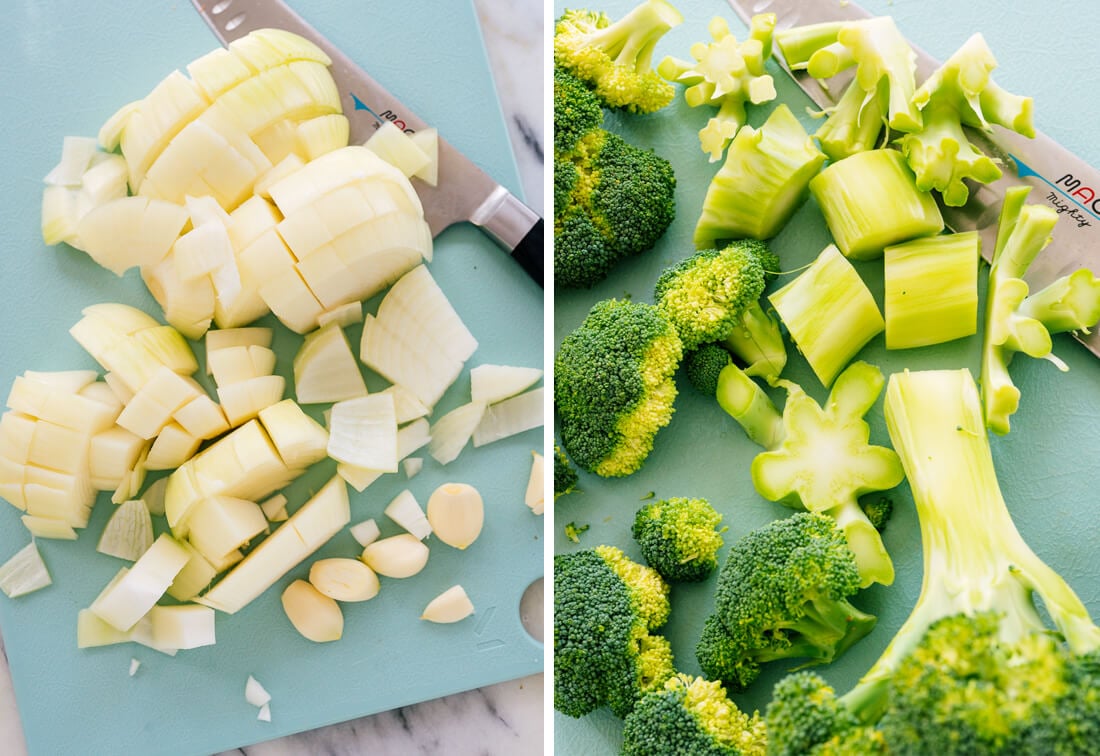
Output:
x,y
313,614
450,606
456,514
398,556
344,579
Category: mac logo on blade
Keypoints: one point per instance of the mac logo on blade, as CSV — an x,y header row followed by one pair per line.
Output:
x,y
1081,203
385,115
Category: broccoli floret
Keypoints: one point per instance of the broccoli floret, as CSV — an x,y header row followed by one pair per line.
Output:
x,y
576,110
804,712
565,477
573,531
725,74
679,537
878,510
703,366
615,58
975,668
1016,322
611,200
605,607
714,295
614,387
690,715
783,594
818,457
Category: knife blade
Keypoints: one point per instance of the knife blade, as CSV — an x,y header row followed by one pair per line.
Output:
x,y
464,191
1057,177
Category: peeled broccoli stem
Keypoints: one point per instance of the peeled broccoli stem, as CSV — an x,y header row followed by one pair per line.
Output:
x,y
819,459
853,125
974,558
630,41
1015,322
758,342
942,157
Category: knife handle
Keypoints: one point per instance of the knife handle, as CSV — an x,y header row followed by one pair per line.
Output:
x,y
515,227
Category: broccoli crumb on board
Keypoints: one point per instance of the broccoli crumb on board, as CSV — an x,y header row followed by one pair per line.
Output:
x,y
573,531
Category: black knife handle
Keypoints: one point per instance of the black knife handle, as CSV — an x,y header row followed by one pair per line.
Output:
x,y
529,252
515,227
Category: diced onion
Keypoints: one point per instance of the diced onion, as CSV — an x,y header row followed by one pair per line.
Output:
x,y
492,383
363,433
24,573
509,417
255,693
365,532
129,532
406,512
535,495
451,432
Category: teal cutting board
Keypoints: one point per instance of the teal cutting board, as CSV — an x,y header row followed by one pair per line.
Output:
x,y
1047,465
68,65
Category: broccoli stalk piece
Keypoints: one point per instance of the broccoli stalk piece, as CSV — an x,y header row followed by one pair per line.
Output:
x,y
725,74
959,92
783,594
885,65
605,607
565,477
761,183
975,658
818,458
690,715
679,537
1016,322
854,124
714,295
615,58
614,387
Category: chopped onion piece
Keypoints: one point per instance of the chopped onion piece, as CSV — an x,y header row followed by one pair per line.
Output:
x,y
456,513
274,509
23,573
535,495
395,147
450,606
130,231
154,497
365,532
451,432
398,556
428,141
406,512
134,664
343,315
325,369
223,338
412,466
509,417
299,439
138,590
363,433
316,616
255,693
129,532
405,404
265,713
184,626
48,527
492,383
195,576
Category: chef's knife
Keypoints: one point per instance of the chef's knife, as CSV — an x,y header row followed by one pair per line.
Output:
x,y
1058,178
464,191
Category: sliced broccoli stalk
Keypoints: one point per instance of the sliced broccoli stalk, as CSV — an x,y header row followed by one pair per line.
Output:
x,y
565,477
615,58
614,387
758,342
931,292
692,715
726,74
955,94
606,608
829,312
1016,322
761,183
782,594
743,400
870,201
679,537
854,125
703,366
824,463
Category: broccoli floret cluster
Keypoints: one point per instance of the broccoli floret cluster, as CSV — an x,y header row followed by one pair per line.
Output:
x,y
782,594
703,366
679,537
605,609
614,387
614,58
690,715
565,477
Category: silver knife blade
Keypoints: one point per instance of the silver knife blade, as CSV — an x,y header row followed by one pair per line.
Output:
x,y
464,191
1057,177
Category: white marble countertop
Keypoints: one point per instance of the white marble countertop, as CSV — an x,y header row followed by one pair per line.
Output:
x,y
506,718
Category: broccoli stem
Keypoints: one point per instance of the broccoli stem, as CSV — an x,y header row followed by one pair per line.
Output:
x,y
630,40
800,42
827,629
830,60
758,343
743,399
854,125
1005,109
942,157
1071,303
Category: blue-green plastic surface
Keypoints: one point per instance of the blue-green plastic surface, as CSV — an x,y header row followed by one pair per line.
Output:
x,y
69,65
1047,465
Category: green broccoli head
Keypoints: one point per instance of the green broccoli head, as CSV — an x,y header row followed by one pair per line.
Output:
x,y
565,477
690,715
616,58
803,714
705,294
577,110
611,200
605,607
782,594
679,537
614,387
703,366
